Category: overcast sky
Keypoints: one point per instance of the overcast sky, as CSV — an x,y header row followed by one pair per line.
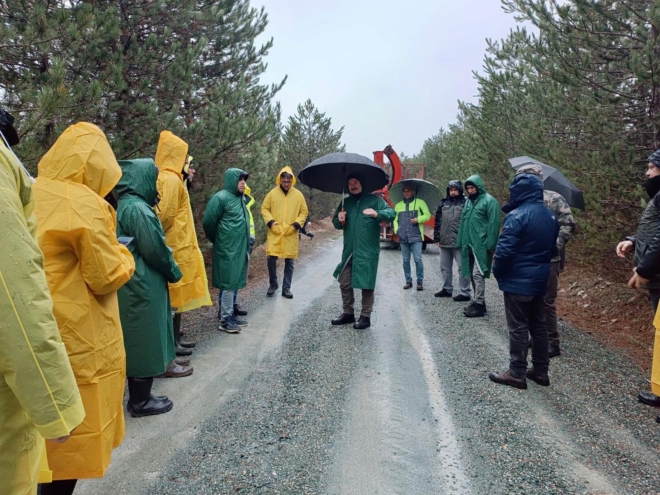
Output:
x,y
390,71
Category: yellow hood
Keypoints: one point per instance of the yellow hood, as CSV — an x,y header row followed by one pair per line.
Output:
x,y
288,170
83,155
171,152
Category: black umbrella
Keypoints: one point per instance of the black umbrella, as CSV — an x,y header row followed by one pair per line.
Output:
x,y
330,173
424,189
553,180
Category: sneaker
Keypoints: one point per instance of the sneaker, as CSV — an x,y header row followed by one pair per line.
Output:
x,y
461,298
240,323
443,293
229,325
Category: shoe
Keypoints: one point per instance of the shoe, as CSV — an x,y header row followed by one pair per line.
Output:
x,y
344,319
287,293
420,286
362,323
553,351
182,351
648,398
408,285
229,325
443,293
538,378
238,311
176,371
475,311
240,323
141,402
271,290
461,298
507,378
182,361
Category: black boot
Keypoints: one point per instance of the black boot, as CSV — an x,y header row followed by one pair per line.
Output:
x,y
176,323
362,323
178,349
141,402
238,311
344,319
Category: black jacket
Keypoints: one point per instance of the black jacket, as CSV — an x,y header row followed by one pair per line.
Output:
x,y
448,217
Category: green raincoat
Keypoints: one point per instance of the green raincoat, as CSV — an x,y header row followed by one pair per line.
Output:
x,y
144,302
362,237
227,225
479,229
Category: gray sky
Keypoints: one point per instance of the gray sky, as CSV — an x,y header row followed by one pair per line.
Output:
x,y
390,71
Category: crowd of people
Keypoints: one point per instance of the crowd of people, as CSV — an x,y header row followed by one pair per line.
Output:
x,y
101,260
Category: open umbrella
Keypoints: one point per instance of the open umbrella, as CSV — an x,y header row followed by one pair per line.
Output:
x,y
553,180
423,190
330,173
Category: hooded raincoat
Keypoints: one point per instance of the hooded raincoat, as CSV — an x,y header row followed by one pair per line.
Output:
x,y
38,393
362,237
175,214
85,266
227,226
479,229
144,302
285,209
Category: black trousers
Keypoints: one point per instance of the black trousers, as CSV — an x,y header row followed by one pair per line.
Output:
x,y
525,317
58,487
288,272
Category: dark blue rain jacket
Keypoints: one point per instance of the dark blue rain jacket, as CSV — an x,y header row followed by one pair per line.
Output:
x,y
527,242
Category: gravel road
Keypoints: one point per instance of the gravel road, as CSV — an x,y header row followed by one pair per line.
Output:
x,y
293,405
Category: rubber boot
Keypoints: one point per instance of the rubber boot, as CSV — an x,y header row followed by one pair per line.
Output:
x,y
177,332
141,402
178,349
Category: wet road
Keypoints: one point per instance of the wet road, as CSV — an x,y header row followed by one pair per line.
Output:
x,y
294,405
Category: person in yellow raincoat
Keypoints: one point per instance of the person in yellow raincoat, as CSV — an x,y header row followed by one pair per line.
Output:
x,y
85,266
284,211
38,393
176,216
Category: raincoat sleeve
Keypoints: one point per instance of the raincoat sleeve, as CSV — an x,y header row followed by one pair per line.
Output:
x,y
212,216
106,265
33,360
170,189
507,245
335,218
265,210
385,212
146,229
494,222
438,223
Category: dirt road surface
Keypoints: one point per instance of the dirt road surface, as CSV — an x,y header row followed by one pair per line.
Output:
x,y
293,405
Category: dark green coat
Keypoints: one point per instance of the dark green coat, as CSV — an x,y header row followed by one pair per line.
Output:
x,y
479,229
227,226
362,237
144,302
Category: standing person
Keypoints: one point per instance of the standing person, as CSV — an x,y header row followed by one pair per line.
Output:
x,y
411,215
284,211
226,225
85,266
359,217
445,235
556,203
175,213
144,302
477,238
646,245
522,266
38,393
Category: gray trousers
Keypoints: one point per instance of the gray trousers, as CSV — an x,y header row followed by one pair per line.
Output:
x,y
478,281
348,295
550,301
447,257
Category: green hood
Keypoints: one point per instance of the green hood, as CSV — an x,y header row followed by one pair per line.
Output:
x,y
232,176
138,178
476,181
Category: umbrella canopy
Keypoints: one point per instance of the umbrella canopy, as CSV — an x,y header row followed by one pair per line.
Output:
x,y
553,180
330,173
423,190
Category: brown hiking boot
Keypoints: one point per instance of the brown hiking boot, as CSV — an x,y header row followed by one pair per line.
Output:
x,y
541,379
408,285
176,371
507,378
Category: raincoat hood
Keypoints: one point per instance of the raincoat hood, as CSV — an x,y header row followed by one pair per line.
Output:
x,y
455,184
171,153
82,155
288,170
525,188
475,180
232,177
138,178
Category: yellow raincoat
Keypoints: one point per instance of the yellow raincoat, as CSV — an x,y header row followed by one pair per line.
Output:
x,y
285,209
85,266
38,393
175,213
655,370
250,203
